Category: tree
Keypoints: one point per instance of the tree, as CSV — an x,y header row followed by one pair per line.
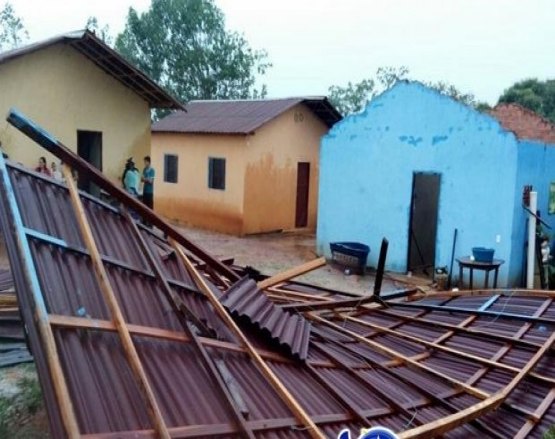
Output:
x,y
185,47
354,97
450,90
101,32
538,96
12,31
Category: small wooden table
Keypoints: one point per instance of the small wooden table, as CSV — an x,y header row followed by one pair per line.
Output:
x,y
466,262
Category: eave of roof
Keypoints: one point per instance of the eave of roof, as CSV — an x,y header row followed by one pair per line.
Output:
x,y
107,59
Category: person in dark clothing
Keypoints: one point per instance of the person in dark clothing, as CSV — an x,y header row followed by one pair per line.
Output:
x,y
148,183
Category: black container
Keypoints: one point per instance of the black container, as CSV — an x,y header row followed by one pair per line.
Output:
x,y
350,254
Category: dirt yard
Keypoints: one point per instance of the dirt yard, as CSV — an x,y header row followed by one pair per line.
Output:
x,y
276,252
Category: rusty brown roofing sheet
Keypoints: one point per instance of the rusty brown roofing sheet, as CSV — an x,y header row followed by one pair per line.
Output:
x,y
422,367
239,116
290,330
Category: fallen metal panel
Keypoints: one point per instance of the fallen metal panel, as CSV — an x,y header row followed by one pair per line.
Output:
x,y
292,331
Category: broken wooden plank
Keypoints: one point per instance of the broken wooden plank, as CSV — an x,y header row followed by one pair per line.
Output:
x,y
291,273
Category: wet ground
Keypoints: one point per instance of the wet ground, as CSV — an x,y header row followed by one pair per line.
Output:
x,y
275,252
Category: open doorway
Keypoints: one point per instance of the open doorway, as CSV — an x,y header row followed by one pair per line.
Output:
x,y
303,189
423,223
89,147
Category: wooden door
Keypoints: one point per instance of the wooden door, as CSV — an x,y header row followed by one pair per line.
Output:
x,y
303,187
423,222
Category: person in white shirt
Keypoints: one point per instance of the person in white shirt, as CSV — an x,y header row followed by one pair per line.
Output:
x,y
56,173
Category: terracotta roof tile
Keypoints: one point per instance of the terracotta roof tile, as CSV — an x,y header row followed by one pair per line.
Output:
x,y
525,123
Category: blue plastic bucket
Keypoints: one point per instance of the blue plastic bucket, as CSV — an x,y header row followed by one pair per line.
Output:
x,y
482,254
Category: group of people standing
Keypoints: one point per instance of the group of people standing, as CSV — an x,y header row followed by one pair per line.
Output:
x,y
132,178
53,171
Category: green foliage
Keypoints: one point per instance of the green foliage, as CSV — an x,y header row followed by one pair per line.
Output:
x,y
354,97
31,395
16,410
550,434
185,47
101,32
538,96
450,90
482,106
12,31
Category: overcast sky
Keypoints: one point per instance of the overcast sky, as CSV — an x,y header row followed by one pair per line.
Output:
x,y
480,46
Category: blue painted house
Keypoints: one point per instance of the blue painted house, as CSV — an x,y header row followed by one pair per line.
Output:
x,y
416,165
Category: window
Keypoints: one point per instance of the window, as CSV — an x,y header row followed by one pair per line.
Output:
x,y
216,173
170,168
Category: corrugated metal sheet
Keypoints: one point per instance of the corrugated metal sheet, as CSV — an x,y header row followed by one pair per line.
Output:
x,y
13,349
292,331
239,116
6,280
402,364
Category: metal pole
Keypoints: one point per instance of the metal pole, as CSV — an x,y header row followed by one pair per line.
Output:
x,y
531,240
381,268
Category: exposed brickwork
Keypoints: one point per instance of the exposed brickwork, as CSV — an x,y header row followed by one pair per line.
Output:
x,y
524,123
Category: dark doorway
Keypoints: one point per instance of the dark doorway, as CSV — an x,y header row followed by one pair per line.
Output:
x,y
423,223
303,182
89,147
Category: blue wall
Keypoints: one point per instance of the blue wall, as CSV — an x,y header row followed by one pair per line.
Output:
x,y
536,167
366,169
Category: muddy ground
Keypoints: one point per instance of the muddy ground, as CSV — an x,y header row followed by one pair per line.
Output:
x,y
276,252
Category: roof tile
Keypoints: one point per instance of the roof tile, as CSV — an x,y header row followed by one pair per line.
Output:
x,y
526,124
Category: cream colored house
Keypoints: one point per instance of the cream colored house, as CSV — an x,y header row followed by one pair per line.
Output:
x,y
241,167
85,94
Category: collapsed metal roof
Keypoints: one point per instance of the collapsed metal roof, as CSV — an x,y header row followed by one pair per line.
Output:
x,y
133,335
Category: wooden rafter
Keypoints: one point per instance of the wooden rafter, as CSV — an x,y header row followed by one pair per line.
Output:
x,y
446,349
129,349
464,329
401,358
178,308
272,378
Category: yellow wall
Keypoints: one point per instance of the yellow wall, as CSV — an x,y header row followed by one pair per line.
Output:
x,y
271,175
63,91
190,200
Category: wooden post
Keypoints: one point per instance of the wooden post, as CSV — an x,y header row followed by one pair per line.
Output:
x,y
278,386
110,298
